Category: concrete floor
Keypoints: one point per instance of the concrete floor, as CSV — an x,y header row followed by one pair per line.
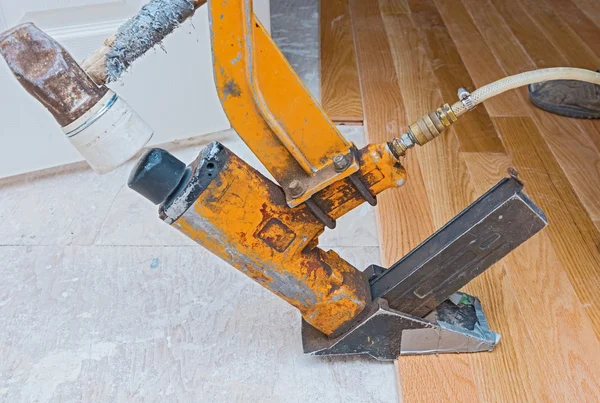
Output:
x,y
101,301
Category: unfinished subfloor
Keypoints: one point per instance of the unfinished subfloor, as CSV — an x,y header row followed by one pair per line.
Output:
x,y
100,301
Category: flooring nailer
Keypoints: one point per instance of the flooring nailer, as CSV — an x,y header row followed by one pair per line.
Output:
x,y
270,231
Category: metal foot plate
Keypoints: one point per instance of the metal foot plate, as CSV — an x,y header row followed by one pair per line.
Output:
x,y
457,326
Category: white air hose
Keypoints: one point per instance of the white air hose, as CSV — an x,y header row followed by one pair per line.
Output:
x,y
430,126
520,80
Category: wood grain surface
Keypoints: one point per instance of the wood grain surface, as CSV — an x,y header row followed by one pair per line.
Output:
x,y
579,22
591,8
473,49
568,153
412,56
451,73
574,143
340,89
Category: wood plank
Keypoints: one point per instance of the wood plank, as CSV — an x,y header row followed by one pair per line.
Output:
x,y
340,88
447,183
591,8
414,74
418,84
473,48
576,154
506,48
592,129
578,45
479,134
382,100
523,27
445,378
449,192
404,215
512,373
500,376
561,324
534,274
577,53
579,22
420,93
568,138
392,8
519,369
574,236
385,116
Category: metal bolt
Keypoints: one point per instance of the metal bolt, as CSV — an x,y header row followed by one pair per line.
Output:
x,y
296,189
341,162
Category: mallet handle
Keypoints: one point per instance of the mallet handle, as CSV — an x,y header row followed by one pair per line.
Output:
x,y
95,64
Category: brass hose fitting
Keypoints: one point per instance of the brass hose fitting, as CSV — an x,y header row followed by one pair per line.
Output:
x,y
424,130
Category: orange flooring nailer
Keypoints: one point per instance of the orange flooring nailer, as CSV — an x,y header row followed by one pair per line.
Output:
x,y
270,231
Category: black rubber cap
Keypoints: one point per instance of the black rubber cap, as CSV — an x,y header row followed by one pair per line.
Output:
x,y
157,175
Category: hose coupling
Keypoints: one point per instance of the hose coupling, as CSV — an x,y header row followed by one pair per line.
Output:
x,y
424,130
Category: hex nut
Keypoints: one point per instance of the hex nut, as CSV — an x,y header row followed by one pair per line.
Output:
x,y
296,188
341,162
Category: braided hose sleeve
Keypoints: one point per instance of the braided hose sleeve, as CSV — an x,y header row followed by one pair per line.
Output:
x,y
523,79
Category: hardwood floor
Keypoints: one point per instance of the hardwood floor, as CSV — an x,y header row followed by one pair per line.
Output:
x,y
340,88
412,55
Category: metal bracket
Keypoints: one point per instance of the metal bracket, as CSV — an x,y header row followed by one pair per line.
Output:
x,y
270,107
457,326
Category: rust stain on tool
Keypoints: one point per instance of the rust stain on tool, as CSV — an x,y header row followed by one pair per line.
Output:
x,y
231,88
238,214
49,73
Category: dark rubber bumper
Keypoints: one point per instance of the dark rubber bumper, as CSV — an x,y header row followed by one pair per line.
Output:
x,y
157,175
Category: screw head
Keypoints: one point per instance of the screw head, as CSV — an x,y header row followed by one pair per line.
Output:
x,y
341,162
296,189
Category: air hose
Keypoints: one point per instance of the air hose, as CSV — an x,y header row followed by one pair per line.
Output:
x,y
433,124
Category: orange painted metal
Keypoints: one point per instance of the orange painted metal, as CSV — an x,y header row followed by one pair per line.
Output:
x,y
269,106
243,218
379,170
266,231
